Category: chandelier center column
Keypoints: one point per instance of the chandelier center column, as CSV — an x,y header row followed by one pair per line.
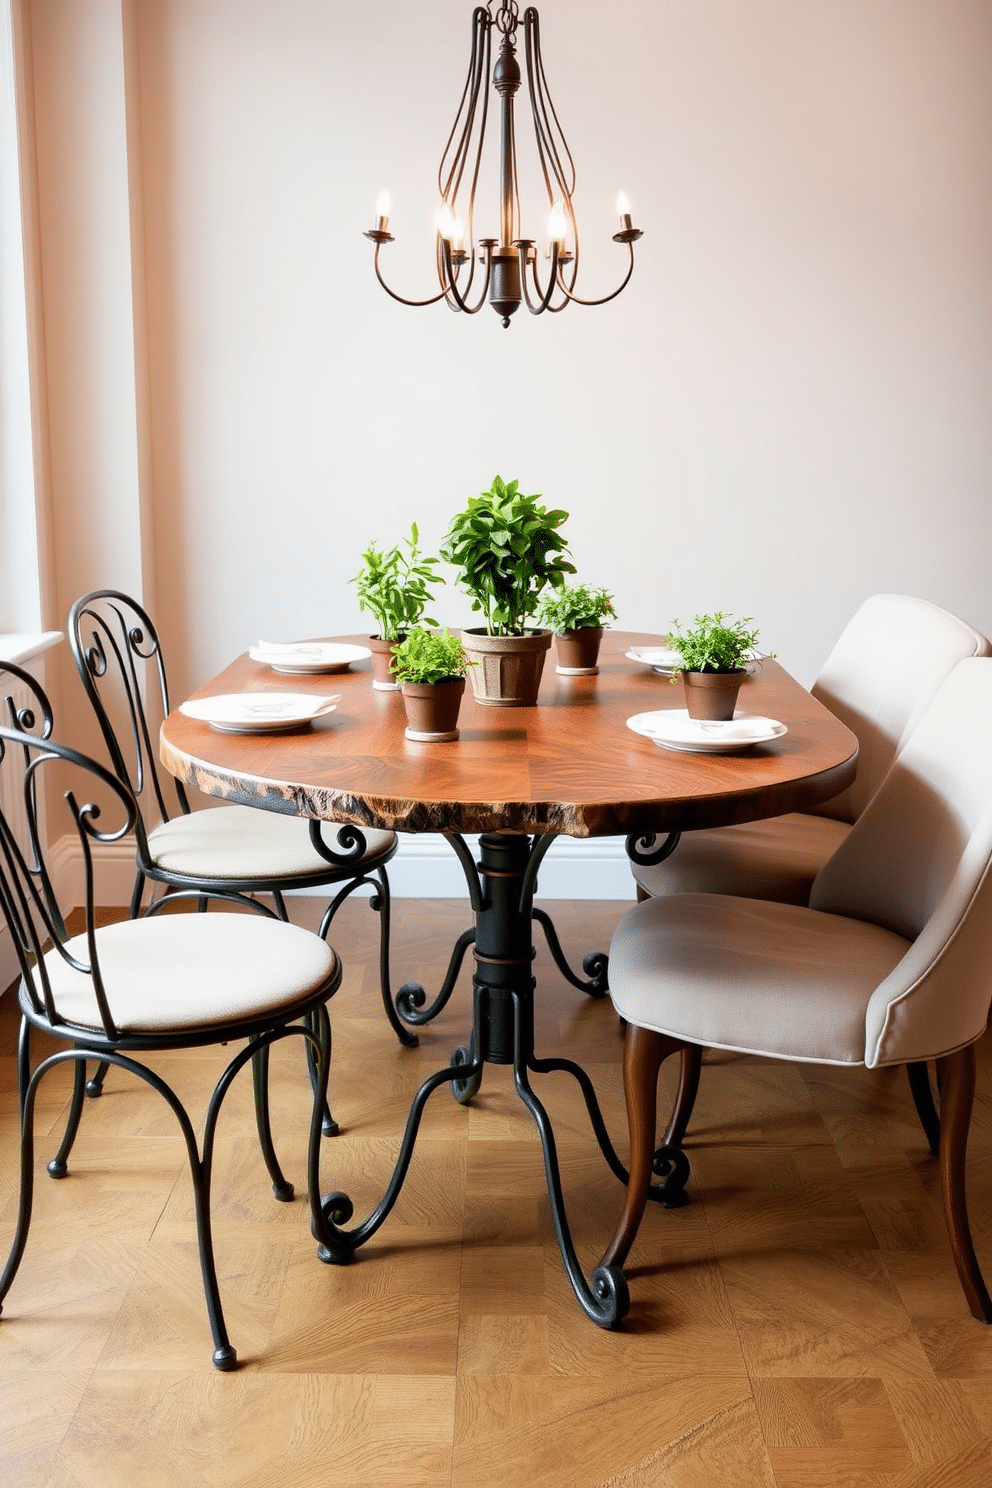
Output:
x,y
505,293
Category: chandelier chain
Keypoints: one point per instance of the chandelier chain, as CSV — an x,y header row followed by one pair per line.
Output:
x,y
507,19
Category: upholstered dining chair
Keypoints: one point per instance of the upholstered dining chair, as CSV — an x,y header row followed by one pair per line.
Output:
x,y
884,669
117,993
890,962
221,850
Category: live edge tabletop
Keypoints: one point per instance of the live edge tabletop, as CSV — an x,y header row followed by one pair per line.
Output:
x,y
570,765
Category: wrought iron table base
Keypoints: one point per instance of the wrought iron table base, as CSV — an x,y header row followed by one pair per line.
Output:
x,y
501,889
411,999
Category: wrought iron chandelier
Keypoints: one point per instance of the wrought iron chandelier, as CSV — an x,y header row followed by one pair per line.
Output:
x,y
504,270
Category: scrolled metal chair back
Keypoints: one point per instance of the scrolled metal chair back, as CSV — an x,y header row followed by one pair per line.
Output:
x,y
118,656
27,710
28,900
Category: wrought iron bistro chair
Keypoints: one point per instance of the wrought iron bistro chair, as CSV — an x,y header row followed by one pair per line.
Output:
x,y
222,850
116,993
890,963
886,666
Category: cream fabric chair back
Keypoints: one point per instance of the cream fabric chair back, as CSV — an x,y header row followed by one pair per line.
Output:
x,y
879,678
917,862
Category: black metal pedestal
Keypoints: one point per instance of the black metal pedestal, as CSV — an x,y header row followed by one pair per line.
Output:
x,y
501,889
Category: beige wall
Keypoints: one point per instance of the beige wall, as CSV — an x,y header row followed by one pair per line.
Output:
x,y
788,408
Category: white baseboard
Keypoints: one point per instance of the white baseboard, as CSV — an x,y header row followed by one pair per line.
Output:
x,y
575,868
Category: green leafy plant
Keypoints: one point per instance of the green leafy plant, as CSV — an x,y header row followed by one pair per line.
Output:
x,y
508,549
392,586
576,607
713,643
429,656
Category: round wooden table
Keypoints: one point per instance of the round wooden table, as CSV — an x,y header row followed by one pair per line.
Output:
x,y
520,777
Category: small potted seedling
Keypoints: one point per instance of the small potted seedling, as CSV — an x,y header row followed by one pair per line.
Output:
x,y
430,667
576,613
507,549
392,588
713,655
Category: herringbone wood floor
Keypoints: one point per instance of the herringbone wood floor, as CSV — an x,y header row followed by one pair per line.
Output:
x,y
799,1323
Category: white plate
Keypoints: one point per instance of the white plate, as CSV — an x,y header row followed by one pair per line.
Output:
x,y
664,660
258,712
308,657
673,729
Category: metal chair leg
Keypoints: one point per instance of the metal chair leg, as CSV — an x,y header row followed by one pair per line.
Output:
x,y
381,902
281,1186
94,1085
328,1125
59,1165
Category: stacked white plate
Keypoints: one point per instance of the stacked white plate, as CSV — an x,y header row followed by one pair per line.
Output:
x,y
672,728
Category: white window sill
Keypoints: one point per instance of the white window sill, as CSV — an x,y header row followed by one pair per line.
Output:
x,y
18,646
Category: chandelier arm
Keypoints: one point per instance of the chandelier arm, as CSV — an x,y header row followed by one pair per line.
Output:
x,y
544,296
392,293
475,87
486,57
543,110
477,70
452,293
606,298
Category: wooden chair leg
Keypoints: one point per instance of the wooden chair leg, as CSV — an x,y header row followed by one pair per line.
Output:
x,y
926,1110
957,1093
643,1053
690,1064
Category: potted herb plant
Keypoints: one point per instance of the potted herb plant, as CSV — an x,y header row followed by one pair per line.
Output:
x,y
576,613
392,588
714,651
508,549
431,666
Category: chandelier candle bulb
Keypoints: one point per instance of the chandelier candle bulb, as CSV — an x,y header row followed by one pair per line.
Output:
x,y
445,222
623,212
382,212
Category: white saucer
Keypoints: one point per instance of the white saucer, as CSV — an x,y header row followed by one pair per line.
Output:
x,y
258,712
308,658
673,729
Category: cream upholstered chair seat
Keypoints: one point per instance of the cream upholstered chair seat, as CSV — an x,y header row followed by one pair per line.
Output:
x,y
819,1012
880,676
240,842
891,962
182,971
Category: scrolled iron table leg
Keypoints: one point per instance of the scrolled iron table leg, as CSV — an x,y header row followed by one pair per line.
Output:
x,y
502,1033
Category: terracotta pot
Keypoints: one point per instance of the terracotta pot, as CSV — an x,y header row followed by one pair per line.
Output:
x,y
383,679
712,695
578,651
507,670
432,709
